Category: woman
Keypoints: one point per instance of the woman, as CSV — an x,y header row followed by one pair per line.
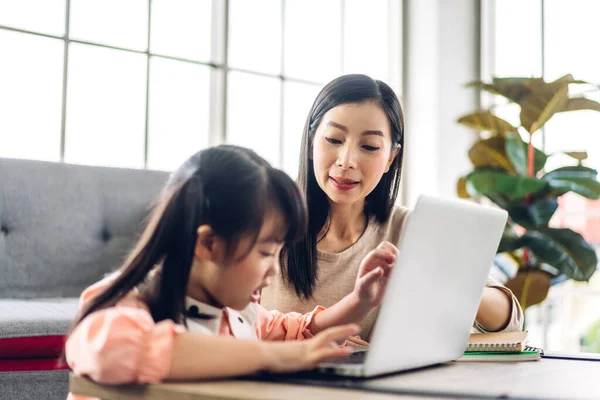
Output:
x,y
350,168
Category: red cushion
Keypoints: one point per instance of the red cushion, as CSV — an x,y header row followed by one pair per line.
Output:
x,y
31,364
32,347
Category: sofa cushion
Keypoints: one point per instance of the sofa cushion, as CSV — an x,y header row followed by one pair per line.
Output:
x,y
62,226
35,328
26,318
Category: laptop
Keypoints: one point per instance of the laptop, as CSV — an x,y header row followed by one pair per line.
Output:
x,y
446,252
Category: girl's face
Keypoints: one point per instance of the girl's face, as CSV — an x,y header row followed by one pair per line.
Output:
x,y
351,151
238,282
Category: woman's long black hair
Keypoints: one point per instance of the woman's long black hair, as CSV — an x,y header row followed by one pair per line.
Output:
x,y
299,259
231,189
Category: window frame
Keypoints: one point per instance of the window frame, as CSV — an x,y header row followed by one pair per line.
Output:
x,y
220,68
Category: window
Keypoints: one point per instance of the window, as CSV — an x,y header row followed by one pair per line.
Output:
x,y
31,77
144,84
548,38
106,94
303,45
298,96
178,111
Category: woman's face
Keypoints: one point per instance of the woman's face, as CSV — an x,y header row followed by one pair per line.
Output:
x,y
351,151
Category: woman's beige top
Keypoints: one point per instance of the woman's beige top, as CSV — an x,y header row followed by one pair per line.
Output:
x,y
337,274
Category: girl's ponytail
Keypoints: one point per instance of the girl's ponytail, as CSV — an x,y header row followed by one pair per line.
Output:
x,y
160,235
190,205
227,187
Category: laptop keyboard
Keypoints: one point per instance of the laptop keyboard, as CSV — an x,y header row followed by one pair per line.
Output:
x,y
358,357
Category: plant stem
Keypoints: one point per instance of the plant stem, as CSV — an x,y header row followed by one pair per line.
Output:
x,y
530,158
530,173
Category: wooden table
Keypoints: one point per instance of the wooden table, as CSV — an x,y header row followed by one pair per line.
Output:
x,y
226,389
545,379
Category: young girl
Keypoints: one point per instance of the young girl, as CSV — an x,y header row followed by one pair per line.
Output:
x,y
350,167
190,287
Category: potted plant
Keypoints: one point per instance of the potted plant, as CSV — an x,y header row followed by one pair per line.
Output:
x,y
509,171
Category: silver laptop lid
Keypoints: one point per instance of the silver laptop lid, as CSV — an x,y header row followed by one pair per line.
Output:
x,y
446,252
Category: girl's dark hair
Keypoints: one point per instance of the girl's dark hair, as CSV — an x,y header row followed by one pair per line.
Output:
x,y
299,260
231,189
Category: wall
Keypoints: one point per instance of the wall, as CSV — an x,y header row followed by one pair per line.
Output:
x,y
441,53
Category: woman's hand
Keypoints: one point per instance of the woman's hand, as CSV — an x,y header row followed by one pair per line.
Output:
x,y
373,274
291,356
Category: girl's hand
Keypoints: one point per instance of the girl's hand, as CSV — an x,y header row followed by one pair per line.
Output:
x,y
373,274
291,356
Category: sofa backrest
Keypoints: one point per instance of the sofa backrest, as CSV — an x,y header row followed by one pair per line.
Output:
x,y
64,226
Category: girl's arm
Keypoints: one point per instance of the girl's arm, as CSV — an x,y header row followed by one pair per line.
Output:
x,y
124,345
352,309
368,291
216,356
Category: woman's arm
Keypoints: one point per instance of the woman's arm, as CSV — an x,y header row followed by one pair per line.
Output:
x,y
499,309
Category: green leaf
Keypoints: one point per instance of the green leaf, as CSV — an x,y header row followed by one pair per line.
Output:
x,y
544,101
513,89
530,286
486,121
578,155
461,188
581,103
499,199
491,153
555,105
510,240
514,187
547,99
578,179
571,171
565,250
588,188
534,215
516,150
562,81
509,243
523,80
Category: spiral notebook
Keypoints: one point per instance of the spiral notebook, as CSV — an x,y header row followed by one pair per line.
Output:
x,y
529,354
500,346
497,342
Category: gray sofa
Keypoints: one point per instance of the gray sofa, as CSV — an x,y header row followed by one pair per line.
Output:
x,y
62,227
